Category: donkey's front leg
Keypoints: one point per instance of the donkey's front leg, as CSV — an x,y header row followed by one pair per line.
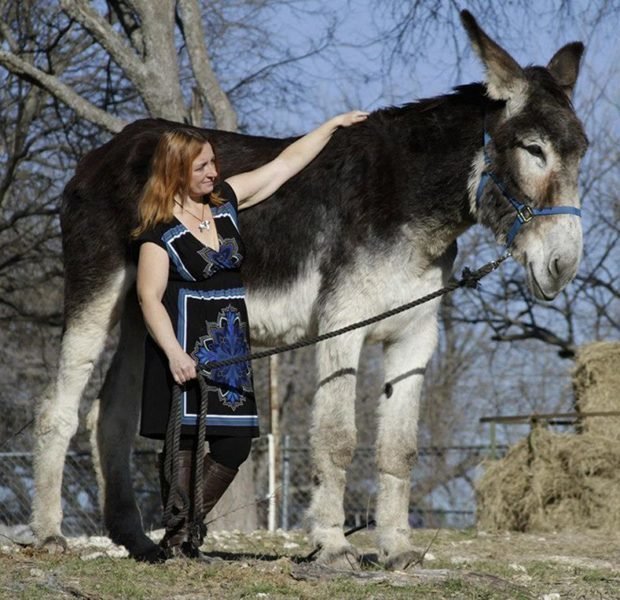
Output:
x,y
405,362
57,413
333,438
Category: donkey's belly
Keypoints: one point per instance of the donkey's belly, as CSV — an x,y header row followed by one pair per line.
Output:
x,y
285,314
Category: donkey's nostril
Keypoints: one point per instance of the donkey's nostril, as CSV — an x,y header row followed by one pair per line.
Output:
x,y
554,266
559,267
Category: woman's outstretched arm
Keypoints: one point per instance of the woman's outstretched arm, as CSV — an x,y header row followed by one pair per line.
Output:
x,y
254,186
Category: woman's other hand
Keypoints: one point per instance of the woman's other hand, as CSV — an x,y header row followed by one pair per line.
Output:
x,y
182,367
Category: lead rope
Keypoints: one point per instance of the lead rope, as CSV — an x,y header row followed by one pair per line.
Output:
x,y
176,497
173,430
468,279
197,529
186,511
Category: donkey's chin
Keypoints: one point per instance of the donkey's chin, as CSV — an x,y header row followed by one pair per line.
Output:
x,y
541,289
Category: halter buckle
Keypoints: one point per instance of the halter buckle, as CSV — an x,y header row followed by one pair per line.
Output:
x,y
525,214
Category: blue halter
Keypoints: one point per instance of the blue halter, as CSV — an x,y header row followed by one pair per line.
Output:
x,y
525,213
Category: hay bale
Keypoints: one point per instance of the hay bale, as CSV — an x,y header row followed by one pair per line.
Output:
x,y
551,481
596,384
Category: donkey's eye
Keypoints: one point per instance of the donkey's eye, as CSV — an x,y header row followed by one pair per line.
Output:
x,y
535,150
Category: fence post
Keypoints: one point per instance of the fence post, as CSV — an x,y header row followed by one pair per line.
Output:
x,y
274,442
493,440
286,473
272,483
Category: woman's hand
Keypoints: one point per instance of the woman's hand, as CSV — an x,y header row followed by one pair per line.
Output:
x,y
351,118
182,367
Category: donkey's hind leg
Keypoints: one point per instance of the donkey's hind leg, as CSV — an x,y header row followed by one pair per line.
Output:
x,y
405,362
57,412
119,410
334,439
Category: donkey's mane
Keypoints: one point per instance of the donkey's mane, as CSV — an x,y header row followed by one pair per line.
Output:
x,y
468,96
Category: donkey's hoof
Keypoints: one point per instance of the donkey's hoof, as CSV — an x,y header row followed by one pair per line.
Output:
x,y
346,558
151,554
55,544
403,560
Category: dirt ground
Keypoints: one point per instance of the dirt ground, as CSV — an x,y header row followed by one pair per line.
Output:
x,y
457,564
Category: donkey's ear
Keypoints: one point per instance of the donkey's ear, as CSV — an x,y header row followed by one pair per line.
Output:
x,y
505,78
564,66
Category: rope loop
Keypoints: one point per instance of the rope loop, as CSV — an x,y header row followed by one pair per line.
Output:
x,y
177,504
181,509
469,280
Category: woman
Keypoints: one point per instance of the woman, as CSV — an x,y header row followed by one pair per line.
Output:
x,y
192,299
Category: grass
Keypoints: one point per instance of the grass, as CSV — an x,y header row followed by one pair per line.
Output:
x,y
464,566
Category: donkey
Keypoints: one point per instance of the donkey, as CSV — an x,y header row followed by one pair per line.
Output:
x,y
370,224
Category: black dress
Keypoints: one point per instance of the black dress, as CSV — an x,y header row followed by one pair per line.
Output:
x,y
205,300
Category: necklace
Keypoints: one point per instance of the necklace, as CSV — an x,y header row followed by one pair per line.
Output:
x,y
202,223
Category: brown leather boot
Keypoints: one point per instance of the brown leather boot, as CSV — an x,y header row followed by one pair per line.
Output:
x,y
215,481
176,538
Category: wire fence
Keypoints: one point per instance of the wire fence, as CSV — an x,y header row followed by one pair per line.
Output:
x,y
437,469
441,493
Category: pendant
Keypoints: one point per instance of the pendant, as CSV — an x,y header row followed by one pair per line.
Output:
x,y
206,224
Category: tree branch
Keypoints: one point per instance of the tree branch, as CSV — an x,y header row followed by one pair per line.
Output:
x,y
5,34
208,84
64,93
267,68
107,37
18,313
128,22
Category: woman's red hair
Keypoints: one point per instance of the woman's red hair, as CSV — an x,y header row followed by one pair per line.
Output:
x,y
171,168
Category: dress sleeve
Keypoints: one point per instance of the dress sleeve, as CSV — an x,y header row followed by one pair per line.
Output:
x,y
154,234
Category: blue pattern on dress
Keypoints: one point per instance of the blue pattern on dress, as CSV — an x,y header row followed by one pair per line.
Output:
x,y
225,210
228,420
186,294
227,257
226,338
222,420
168,238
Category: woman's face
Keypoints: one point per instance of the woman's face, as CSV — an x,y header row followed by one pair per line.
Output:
x,y
203,173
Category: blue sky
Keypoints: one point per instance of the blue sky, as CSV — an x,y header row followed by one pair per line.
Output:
x,y
355,73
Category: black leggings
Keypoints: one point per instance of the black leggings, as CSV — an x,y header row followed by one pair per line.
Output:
x,y
228,451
